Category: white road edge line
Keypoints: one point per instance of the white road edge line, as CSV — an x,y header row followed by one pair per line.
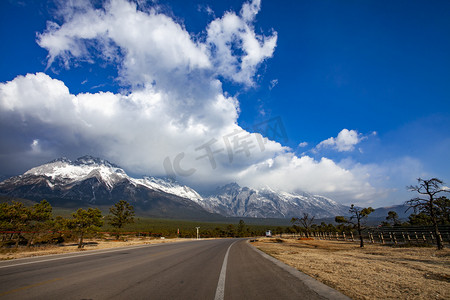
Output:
x,y
220,291
78,255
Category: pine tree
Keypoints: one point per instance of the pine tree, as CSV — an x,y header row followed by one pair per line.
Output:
x,y
428,204
85,221
356,218
121,213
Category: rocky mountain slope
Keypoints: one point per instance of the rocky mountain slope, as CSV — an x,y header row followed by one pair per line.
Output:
x,y
236,201
93,181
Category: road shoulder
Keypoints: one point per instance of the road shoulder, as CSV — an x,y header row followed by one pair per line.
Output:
x,y
317,286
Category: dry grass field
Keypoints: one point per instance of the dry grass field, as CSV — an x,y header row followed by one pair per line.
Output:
x,y
373,272
90,244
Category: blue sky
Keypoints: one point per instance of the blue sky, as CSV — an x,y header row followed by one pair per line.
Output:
x,y
361,88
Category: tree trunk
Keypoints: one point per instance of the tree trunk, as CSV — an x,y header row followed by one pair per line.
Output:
x,y
17,241
30,240
361,241
439,243
80,243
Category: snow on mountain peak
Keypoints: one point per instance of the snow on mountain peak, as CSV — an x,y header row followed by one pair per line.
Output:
x,y
170,186
61,159
65,171
85,167
90,160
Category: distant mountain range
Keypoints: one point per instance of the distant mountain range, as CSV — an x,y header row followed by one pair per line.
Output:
x,y
94,181
235,201
402,211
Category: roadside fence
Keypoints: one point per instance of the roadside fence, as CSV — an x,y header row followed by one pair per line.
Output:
x,y
411,235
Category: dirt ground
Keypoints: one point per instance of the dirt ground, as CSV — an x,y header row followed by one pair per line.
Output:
x,y
90,244
373,272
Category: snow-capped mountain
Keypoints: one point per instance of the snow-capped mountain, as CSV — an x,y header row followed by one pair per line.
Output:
x,y
90,180
62,173
236,201
96,181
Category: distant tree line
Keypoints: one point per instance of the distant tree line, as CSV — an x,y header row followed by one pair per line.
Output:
x,y
35,224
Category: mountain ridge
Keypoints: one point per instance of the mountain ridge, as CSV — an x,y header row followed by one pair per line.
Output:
x,y
94,180
235,201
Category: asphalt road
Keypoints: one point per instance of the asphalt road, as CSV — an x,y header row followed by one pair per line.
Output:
x,y
204,269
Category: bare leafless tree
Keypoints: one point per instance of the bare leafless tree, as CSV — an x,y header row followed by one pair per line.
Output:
x,y
429,189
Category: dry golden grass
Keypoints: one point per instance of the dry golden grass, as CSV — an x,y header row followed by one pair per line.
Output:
x,y
90,244
372,272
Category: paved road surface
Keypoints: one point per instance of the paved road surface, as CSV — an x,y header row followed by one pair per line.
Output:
x,y
205,269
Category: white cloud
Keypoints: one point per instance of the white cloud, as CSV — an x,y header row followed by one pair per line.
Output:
x,y
151,43
273,83
230,35
345,141
250,10
324,177
138,130
175,104
389,178
155,44
303,144
35,147
206,8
